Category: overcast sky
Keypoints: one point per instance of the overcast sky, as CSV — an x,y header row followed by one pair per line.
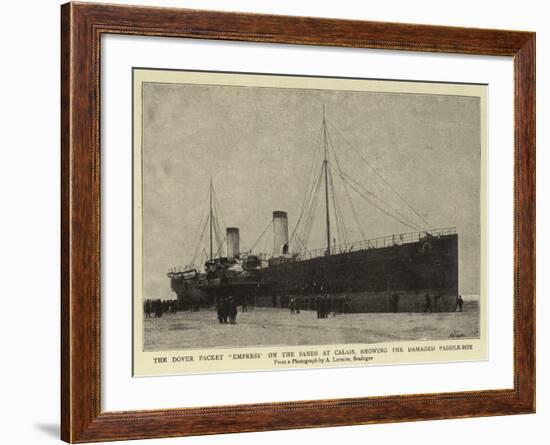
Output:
x,y
258,145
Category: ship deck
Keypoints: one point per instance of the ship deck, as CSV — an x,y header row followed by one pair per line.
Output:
x,y
377,243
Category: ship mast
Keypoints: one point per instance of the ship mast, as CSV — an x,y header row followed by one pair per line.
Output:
x,y
211,219
325,164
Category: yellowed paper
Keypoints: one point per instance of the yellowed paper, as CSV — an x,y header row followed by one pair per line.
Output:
x,y
249,132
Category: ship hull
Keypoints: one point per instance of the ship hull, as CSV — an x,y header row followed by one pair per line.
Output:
x,y
412,277
189,295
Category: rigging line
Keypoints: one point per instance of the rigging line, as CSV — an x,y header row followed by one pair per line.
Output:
x,y
261,235
297,241
205,255
203,223
305,206
384,180
380,206
218,253
338,228
346,189
203,220
363,195
218,237
299,224
199,242
380,200
311,174
267,247
302,233
310,184
204,213
307,198
242,245
214,222
386,212
217,233
217,208
316,151
314,209
300,244
311,213
302,229
410,222
344,235
340,222
219,218
307,211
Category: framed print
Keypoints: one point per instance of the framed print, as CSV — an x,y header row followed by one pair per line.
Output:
x,y
269,298
275,215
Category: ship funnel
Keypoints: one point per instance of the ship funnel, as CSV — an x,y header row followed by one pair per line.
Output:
x,y
280,233
233,247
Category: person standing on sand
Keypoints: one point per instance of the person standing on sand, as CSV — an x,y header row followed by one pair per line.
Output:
x,y
225,309
427,303
318,306
220,307
232,310
459,303
292,306
394,303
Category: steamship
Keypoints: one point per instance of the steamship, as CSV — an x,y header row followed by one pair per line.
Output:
x,y
394,273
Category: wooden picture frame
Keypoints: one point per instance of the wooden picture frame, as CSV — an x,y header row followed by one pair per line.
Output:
x,y
82,26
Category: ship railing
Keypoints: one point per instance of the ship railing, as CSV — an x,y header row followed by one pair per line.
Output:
x,y
180,269
376,243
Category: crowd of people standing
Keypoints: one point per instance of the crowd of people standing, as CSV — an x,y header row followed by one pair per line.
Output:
x,y
227,310
324,305
156,308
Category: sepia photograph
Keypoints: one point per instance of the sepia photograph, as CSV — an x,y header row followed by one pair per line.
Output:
x,y
291,211
278,220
